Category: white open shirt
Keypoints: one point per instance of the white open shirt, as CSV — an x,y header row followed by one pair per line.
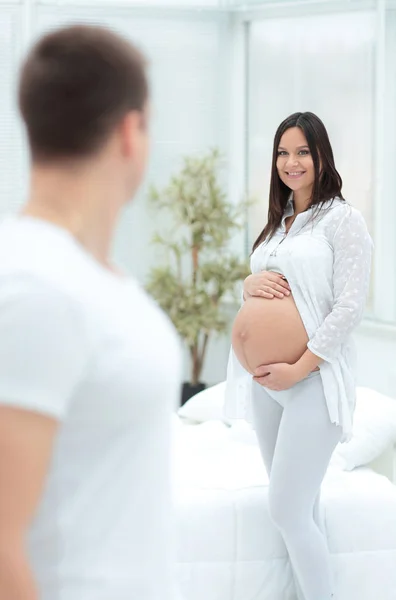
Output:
x,y
326,262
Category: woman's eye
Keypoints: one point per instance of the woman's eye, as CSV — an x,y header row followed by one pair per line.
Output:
x,y
301,152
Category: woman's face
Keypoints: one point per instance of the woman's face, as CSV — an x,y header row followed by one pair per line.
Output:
x,y
294,162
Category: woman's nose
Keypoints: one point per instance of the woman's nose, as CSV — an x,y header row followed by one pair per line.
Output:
x,y
292,161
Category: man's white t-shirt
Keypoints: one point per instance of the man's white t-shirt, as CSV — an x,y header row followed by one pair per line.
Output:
x,y
92,350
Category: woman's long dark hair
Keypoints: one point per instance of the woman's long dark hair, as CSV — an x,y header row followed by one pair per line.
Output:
x,y
327,183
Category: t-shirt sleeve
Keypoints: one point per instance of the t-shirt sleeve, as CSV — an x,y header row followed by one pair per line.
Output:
x,y
44,347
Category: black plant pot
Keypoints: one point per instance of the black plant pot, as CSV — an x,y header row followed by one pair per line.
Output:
x,y
188,391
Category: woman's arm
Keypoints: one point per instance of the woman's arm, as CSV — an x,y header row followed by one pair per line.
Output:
x,y
26,440
306,364
352,246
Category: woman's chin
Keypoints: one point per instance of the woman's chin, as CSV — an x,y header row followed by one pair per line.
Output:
x,y
295,184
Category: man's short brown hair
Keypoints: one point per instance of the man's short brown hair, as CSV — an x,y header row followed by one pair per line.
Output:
x,y
76,85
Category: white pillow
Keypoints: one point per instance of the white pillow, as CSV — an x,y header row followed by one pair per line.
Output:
x,y
374,430
206,405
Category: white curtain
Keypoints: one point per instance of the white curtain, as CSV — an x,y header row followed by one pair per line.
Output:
x,y
12,155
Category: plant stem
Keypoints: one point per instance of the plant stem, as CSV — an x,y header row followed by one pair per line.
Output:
x,y
195,364
194,350
202,354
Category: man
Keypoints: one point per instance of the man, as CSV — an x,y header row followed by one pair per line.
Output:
x,y
89,366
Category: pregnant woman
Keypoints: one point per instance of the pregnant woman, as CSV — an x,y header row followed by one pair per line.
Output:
x,y
291,368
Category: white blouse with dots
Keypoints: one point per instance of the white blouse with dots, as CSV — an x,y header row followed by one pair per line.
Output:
x,y
326,261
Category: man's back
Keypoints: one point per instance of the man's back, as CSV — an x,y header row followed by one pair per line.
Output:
x,y
91,350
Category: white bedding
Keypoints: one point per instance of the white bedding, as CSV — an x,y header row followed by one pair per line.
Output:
x,y
228,548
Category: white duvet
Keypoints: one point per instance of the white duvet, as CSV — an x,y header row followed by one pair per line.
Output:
x,y
227,547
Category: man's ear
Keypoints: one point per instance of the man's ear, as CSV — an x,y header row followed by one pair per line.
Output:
x,y
130,129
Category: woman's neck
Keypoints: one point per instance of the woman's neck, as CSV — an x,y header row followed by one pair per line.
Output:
x,y
301,200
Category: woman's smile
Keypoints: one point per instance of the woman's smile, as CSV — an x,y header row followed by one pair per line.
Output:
x,y
295,174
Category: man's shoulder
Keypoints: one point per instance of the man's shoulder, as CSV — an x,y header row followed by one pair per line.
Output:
x,y
33,264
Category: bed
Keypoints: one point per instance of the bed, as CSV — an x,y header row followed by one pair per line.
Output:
x,y
227,547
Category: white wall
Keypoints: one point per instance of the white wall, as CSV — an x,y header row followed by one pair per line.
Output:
x,y
377,357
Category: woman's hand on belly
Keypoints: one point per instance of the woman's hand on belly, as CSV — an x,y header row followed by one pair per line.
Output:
x,y
277,377
282,376
266,284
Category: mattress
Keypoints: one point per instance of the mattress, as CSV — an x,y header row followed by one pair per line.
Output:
x,y
227,546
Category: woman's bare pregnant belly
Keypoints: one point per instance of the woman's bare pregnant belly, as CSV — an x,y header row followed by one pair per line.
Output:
x,y
267,331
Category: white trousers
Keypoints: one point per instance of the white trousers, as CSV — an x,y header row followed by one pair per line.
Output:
x,y
297,440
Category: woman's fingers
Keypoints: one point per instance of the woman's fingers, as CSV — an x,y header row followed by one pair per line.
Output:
x,y
282,289
264,294
280,282
274,292
268,292
270,285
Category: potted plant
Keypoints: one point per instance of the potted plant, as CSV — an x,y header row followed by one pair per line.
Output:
x,y
199,270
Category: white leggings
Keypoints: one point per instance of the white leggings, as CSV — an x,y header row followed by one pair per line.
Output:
x,y
297,440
